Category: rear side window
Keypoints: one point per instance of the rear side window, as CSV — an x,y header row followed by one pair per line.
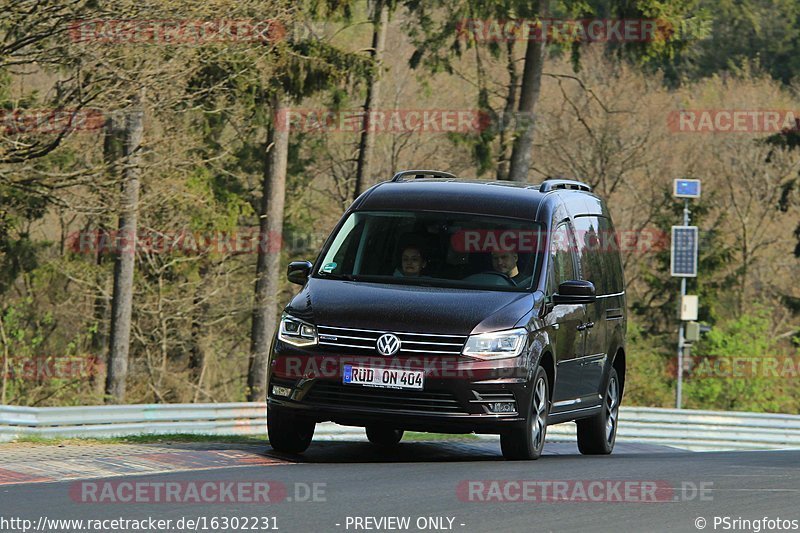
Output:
x,y
598,251
612,263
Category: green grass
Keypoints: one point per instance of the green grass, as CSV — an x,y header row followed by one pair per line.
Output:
x,y
414,436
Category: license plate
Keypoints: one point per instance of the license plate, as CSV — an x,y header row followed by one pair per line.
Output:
x,y
389,378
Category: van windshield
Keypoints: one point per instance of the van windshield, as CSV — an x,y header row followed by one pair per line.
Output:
x,y
435,249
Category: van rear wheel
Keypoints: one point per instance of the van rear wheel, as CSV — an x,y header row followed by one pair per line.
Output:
x,y
597,435
383,435
527,443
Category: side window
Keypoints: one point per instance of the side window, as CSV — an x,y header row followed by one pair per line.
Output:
x,y
561,265
611,258
590,253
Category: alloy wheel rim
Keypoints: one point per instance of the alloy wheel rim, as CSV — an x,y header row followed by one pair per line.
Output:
x,y
612,409
540,409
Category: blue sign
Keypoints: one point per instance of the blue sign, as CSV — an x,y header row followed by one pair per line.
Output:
x,y
686,189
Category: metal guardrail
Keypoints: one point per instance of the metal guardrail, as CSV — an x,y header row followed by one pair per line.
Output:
x,y
121,420
701,430
688,429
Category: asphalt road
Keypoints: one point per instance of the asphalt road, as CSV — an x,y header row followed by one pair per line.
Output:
x,y
431,480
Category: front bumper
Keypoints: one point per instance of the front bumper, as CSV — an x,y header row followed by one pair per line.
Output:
x,y
456,397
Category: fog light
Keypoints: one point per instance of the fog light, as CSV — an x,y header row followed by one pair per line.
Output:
x,y
281,391
503,407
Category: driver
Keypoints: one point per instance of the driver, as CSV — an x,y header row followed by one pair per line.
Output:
x,y
506,263
412,262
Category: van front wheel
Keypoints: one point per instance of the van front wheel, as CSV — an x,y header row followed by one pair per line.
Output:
x,y
289,433
527,443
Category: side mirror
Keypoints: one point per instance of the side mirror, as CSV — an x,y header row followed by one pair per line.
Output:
x,y
299,271
575,292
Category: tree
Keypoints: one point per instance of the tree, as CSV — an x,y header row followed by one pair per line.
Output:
x,y
764,34
304,68
439,44
739,366
268,278
122,302
535,51
35,36
366,147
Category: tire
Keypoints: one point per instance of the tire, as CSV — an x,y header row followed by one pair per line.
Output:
x,y
289,433
383,435
597,435
527,443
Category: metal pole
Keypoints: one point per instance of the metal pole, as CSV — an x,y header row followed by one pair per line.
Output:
x,y
681,338
685,211
680,352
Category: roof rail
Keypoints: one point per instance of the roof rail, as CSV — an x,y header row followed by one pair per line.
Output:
x,y
417,174
551,185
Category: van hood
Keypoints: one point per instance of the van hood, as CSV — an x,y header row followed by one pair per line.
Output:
x,y
390,307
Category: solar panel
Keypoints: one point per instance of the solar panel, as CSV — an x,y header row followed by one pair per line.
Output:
x,y
683,262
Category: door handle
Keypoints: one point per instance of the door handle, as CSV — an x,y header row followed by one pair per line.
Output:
x,y
581,327
585,325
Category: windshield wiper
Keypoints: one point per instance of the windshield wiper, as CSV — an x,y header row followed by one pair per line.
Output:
x,y
345,277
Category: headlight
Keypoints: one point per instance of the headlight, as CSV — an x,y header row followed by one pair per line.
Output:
x,y
498,345
296,332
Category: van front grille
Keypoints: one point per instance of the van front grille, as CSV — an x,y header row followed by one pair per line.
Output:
x,y
364,341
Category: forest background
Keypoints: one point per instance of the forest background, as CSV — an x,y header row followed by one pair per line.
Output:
x,y
109,127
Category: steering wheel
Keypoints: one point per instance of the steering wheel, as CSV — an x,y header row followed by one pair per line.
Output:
x,y
502,275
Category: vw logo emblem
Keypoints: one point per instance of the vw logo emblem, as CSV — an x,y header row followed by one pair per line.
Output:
x,y
388,344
